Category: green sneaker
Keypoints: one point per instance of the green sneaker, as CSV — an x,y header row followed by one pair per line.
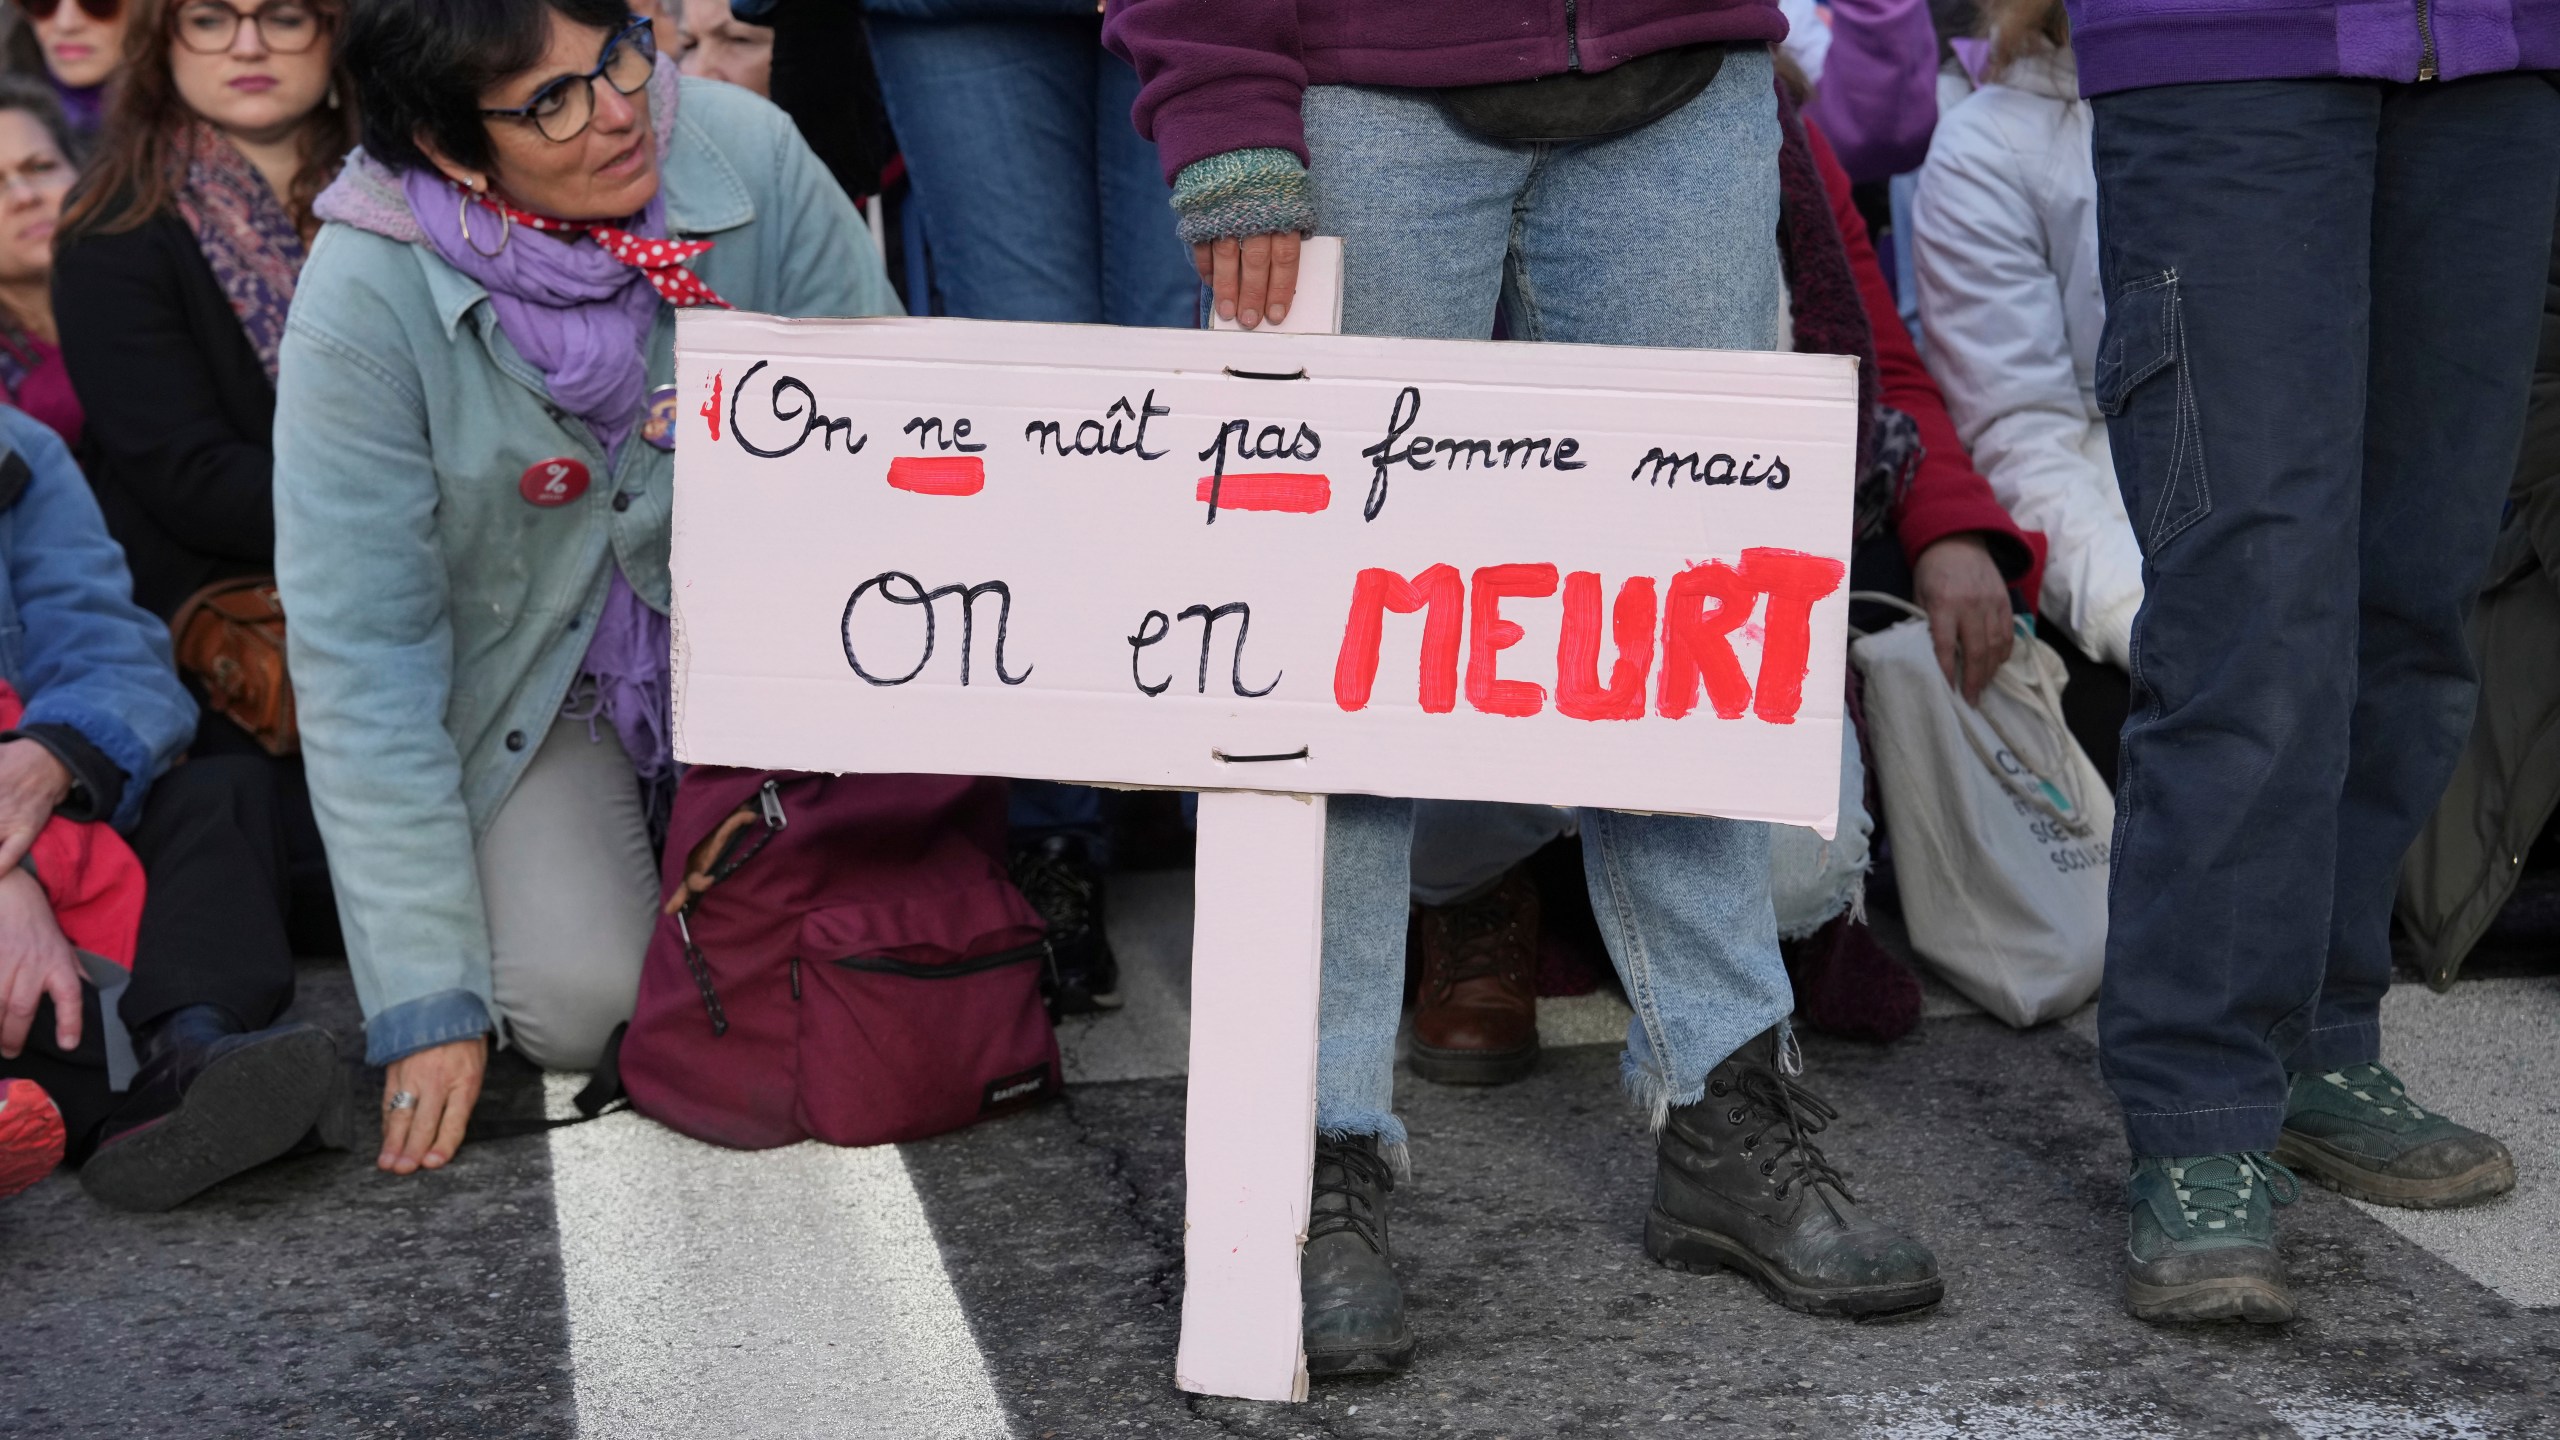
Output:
x,y
2204,1239
2357,1131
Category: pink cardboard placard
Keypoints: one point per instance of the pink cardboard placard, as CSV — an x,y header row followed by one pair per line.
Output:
x,y
1554,574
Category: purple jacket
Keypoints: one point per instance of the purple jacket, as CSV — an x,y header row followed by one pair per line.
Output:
x,y
2129,44
1222,75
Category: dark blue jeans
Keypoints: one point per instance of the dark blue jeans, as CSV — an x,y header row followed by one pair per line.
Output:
x,y
1041,202
2323,307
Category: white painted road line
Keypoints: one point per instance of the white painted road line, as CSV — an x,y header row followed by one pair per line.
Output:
x,y
764,1295
2487,1053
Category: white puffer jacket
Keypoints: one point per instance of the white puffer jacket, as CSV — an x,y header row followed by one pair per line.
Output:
x,y
2005,245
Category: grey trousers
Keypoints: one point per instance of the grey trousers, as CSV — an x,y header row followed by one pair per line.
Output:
x,y
571,889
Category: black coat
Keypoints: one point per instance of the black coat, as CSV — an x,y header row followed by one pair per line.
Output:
x,y
180,412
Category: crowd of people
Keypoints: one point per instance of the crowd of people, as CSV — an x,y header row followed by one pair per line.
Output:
x,y
2205,368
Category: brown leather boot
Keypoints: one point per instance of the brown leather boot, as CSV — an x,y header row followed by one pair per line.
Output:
x,y
1477,1020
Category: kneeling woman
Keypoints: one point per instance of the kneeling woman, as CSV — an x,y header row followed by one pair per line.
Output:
x,y
471,510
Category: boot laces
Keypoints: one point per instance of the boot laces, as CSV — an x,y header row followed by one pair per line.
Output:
x,y
1056,887
1360,1175
2216,1191
1471,935
1790,1116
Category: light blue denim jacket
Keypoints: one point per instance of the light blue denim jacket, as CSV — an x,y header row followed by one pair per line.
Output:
x,y
435,619
73,644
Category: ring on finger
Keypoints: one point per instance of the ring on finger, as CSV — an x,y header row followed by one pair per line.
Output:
x,y
401,1100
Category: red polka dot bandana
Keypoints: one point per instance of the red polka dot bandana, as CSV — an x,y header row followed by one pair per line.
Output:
x,y
660,260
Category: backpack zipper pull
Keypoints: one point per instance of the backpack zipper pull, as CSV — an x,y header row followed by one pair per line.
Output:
x,y
795,977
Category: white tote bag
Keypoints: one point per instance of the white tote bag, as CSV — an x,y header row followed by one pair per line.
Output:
x,y
2000,824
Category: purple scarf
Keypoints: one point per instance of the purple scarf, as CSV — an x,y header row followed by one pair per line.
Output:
x,y
582,318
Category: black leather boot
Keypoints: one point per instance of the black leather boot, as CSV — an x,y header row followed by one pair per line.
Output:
x,y
1353,1310
1741,1186
217,1102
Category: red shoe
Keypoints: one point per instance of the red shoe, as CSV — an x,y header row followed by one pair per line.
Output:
x,y
31,1136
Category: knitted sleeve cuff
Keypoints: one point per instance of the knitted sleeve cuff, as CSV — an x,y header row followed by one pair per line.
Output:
x,y
1240,193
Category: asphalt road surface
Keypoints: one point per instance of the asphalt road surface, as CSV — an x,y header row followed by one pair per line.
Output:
x,y
1023,1278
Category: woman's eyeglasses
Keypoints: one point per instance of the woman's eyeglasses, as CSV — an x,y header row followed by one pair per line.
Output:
x,y
563,109
98,9
209,29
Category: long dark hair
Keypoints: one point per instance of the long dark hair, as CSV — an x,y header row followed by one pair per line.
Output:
x,y
135,173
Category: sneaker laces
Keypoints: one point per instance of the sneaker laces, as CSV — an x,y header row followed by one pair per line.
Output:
x,y
1796,1114
2375,1085
1360,1175
2216,1191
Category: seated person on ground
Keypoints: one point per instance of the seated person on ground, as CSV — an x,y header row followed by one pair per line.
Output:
x,y
474,429
2005,246
35,150
137,1000
177,263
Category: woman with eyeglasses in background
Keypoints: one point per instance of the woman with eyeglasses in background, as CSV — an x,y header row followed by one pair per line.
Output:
x,y
474,464
76,45
35,175
178,256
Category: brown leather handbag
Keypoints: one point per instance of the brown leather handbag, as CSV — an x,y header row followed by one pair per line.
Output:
x,y
230,641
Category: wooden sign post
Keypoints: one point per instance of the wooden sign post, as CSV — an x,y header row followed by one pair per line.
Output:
x,y
1267,568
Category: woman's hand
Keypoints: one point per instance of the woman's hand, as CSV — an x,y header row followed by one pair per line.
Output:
x,y
445,1081
1251,280
1968,605
35,961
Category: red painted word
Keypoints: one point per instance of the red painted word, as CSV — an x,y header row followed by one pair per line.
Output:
x,y
938,474
1285,491
1695,618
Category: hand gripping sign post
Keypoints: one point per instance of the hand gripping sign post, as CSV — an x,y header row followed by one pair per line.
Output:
x,y
1266,568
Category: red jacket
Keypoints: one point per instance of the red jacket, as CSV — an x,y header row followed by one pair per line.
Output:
x,y
1948,496
87,871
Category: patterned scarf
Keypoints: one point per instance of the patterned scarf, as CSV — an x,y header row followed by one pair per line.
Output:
x,y
244,232
660,260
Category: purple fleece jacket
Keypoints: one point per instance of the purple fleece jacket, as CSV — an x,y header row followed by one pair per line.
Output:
x,y
1221,75
2130,44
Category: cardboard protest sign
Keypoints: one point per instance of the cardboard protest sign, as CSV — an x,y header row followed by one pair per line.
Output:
x,y
1563,574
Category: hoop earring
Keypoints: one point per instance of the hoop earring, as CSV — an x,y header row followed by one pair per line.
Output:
x,y
506,231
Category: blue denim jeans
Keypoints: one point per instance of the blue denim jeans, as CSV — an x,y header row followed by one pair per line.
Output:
x,y
2323,299
1462,847
1663,236
1040,201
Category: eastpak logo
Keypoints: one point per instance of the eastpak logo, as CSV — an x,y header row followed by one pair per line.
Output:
x,y
1007,1089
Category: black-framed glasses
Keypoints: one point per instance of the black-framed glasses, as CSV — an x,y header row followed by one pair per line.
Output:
x,y
97,9
563,109
284,27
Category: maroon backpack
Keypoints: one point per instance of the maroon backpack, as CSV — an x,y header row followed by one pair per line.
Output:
x,y
852,964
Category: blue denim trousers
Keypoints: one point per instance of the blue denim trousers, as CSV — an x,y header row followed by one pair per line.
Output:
x,y
2323,303
1462,847
1040,201
1663,236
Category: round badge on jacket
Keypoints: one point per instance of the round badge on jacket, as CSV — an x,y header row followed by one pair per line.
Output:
x,y
658,422
553,482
